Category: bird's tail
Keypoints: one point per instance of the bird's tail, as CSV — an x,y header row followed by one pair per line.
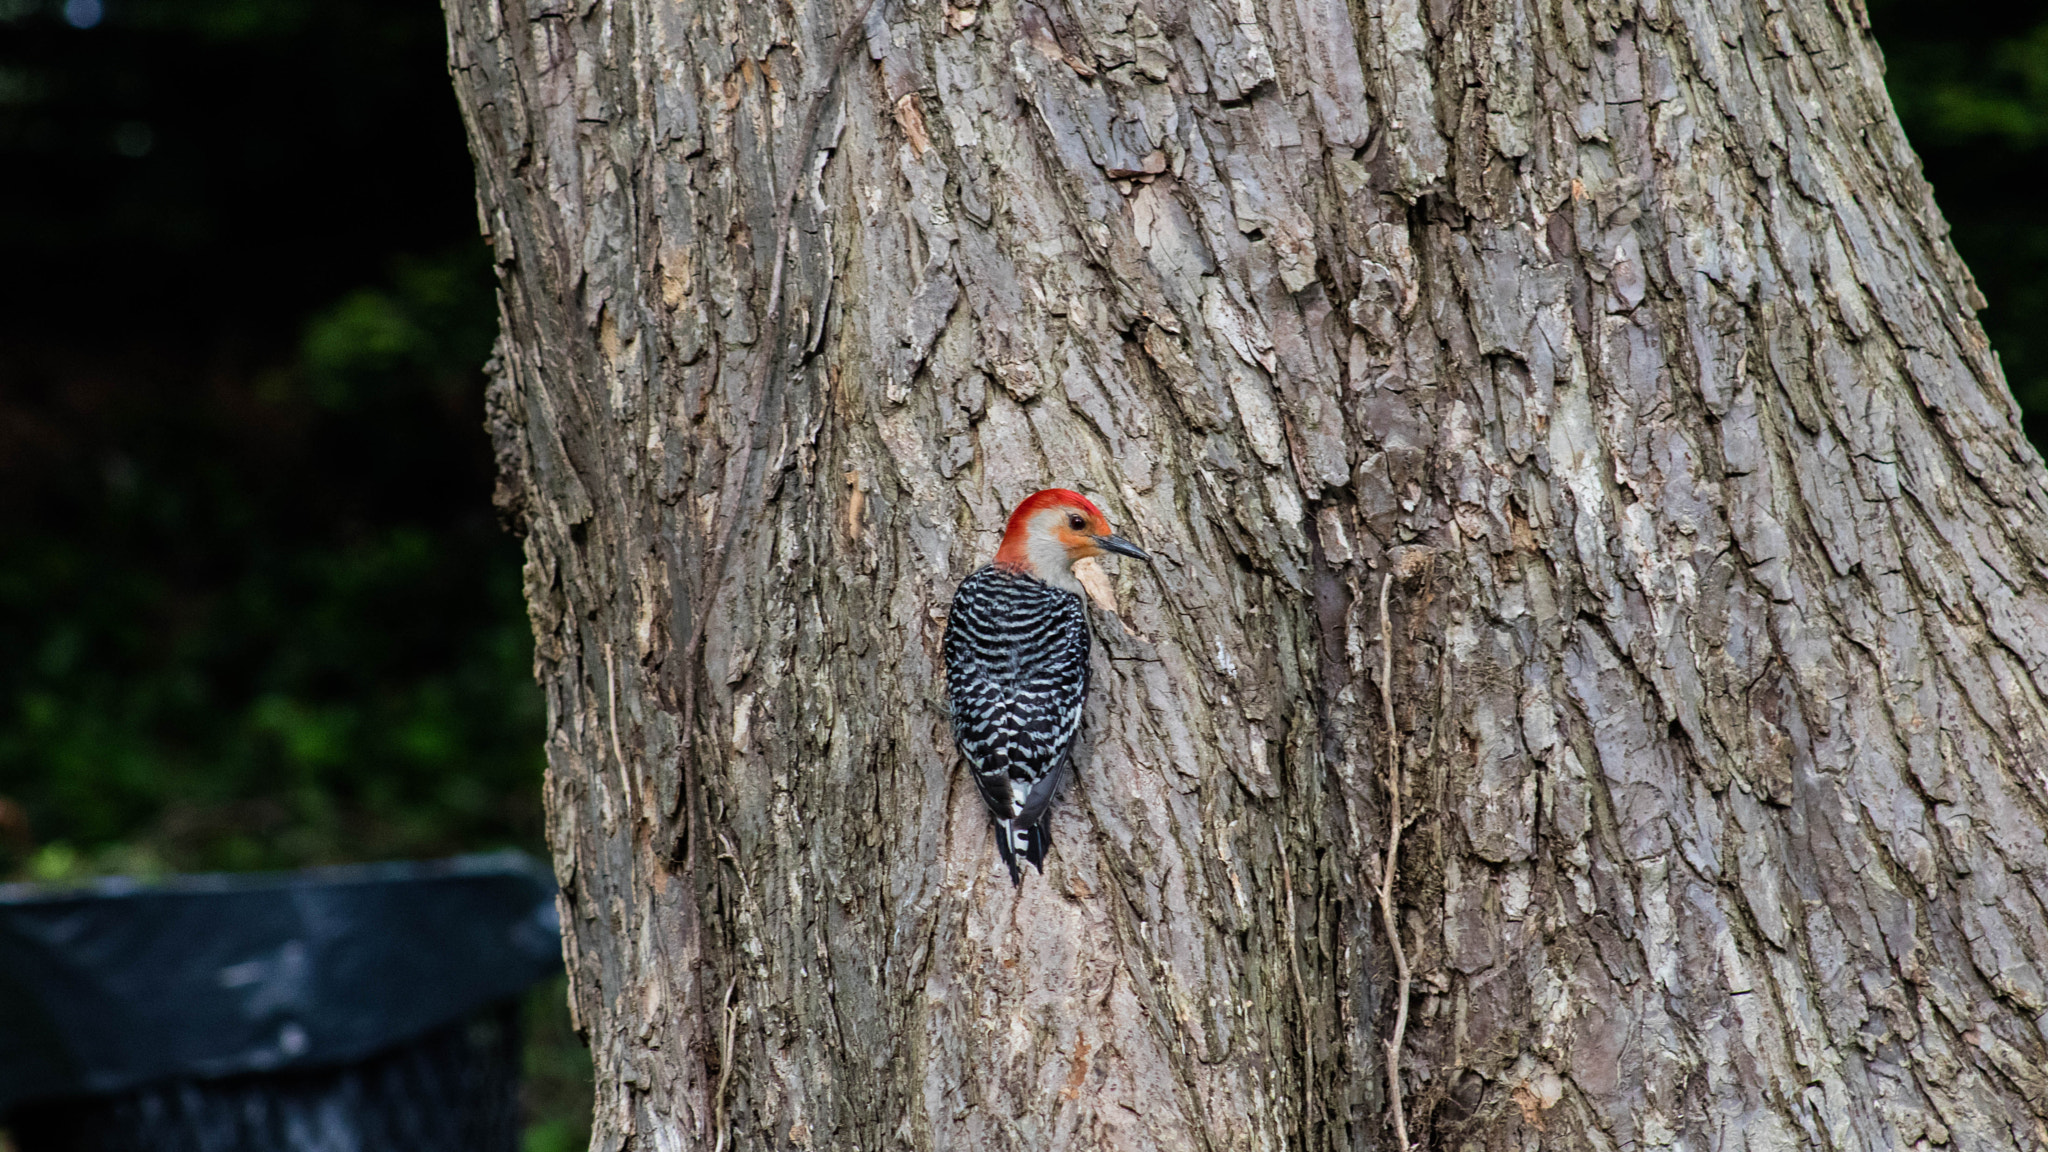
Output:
x,y
1030,841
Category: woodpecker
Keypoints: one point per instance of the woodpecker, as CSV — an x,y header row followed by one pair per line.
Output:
x,y
1016,651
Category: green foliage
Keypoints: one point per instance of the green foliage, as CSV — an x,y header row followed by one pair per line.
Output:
x,y
255,609
1971,87
426,327
229,666
1959,92
558,1074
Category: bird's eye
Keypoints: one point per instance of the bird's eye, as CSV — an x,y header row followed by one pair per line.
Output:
x,y
1076,523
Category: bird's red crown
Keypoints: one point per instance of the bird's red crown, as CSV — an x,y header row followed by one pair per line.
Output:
x,y
1016,550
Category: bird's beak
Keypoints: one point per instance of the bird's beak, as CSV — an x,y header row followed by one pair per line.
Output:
x,y
1122,547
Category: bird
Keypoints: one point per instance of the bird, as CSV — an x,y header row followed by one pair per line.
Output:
x,y
1016,652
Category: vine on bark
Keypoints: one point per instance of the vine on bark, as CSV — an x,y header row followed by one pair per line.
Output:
x,y
1388,867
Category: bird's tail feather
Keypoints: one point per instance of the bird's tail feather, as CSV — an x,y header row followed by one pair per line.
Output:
x,y
1029,841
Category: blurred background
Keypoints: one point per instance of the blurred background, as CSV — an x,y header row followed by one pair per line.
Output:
x,y
256,611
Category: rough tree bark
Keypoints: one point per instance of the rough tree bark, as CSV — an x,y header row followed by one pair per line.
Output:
x,y
1624,336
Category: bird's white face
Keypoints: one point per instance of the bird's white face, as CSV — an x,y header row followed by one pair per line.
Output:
x,y
1059,535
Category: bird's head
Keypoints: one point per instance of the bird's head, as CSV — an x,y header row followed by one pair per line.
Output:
x,y
1052,529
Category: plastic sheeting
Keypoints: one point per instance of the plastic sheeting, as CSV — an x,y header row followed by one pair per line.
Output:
x,y
456,1089
122,985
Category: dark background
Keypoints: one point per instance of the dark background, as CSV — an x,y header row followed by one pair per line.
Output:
x,y
255,608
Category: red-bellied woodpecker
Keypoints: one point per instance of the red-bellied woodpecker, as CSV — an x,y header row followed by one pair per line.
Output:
x,y
1017,664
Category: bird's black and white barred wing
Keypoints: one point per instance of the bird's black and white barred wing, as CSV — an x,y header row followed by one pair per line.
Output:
x,y
1016,656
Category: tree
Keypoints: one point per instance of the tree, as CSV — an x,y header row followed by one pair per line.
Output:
x,y
1617,350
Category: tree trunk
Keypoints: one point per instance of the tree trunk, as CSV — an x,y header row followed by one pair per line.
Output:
x,y
1620,345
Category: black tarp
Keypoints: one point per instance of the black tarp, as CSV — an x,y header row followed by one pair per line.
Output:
x,y
123,984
